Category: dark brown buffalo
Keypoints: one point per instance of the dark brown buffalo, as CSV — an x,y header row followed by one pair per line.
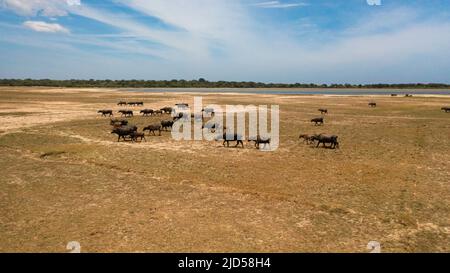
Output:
x,y
122,103
153,128
126,113
324,139
124,132
260,140
147,112
166,110
137,135
317,121
135,103
446,109
106,112
323,111
167,124
372,104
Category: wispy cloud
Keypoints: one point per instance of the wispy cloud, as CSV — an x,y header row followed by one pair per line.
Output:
x,y
235,40
41,26
278,5
50,8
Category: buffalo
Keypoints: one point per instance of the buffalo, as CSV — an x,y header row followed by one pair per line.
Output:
x,y
323,111
317,121
137,135
182,106
118,122
307,138
372,104
136,103
167,124
124,132
178,116
122,103
126,113
446,109
153,128
260,140
147,112
326,139
105,112
166,110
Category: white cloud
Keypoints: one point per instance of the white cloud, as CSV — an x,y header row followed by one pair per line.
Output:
x,y
278,5
49,8
40,26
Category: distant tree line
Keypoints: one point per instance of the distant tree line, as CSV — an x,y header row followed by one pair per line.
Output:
x,y
200,83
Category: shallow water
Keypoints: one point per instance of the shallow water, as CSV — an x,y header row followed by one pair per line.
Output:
x,y
299,92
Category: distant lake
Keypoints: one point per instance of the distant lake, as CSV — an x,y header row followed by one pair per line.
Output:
x,y
354,92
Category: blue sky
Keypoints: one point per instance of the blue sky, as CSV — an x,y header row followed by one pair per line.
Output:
x,y
319,41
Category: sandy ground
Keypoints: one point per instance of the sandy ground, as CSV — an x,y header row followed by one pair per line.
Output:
x,y
65,178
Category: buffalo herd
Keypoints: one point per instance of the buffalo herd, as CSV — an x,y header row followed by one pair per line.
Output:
x,y
126,131
131,103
